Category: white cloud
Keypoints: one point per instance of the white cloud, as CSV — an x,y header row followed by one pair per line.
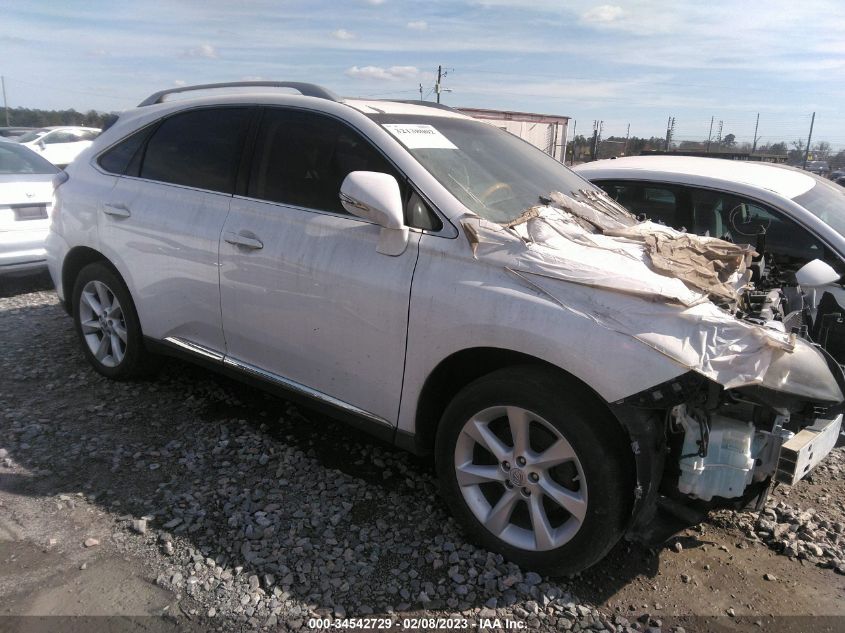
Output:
x,y
252,78
204,50
384,74
418,25
603,14
375,2
343,34
179,82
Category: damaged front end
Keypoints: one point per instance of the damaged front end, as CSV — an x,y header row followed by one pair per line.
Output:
x,y
699,446
756,401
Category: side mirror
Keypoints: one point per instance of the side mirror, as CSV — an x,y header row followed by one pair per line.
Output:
x,y
815,274
41,144
376,197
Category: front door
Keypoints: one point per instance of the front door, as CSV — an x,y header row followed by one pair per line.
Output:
x,y
305,296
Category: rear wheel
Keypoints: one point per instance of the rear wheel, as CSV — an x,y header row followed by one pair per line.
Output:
x,y
534,470
107,324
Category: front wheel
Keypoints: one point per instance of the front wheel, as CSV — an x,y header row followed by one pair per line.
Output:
x,y
107,324
535,470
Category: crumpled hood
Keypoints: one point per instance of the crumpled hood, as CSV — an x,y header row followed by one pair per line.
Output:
x,y
652,283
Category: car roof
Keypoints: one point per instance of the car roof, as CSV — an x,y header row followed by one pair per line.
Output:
x,y
786,181
266,96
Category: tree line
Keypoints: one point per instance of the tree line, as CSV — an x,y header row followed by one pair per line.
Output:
x,y
34,117
582,148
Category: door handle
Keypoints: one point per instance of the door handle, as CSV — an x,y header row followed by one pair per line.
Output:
x,y
242,240
117,209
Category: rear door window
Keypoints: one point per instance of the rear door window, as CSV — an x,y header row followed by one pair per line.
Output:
x,y
199,148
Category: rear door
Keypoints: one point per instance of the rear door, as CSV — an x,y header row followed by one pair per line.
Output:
x,y
161,223
306,299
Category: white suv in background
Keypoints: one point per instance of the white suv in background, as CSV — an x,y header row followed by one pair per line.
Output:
x,y
59,144
450,288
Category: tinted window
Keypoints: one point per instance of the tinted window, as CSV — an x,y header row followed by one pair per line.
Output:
x,y
301,158
116,160
201,148
665,204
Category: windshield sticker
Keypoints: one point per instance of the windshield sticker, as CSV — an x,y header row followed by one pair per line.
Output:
x,y
419,136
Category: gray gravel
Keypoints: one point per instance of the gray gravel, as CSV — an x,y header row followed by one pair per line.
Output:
x,y
250,508
811,532
264,515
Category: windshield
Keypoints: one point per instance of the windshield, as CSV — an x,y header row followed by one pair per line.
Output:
x,y
492,172
826,201
15,159
31,136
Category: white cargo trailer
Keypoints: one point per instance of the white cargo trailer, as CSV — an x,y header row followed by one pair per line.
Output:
x,y
546,131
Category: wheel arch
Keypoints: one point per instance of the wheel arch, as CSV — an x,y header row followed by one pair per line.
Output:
x,y
460,368
76,259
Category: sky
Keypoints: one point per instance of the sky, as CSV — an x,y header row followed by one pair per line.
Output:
x,y
634,62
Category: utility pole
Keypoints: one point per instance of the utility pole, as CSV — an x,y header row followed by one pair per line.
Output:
x,y
438,87
709,134
421,92
574,136
756,125
670,128
627,136
5,105
597,128
809,139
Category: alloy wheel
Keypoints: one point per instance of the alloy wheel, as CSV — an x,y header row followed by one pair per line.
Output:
x,y
103,323
521,478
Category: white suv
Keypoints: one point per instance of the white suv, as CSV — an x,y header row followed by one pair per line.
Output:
x,y
450,288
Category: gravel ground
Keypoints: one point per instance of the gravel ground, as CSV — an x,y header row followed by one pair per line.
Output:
x,y
215,504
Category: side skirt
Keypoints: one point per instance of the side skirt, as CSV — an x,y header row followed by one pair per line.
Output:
x,y
276,385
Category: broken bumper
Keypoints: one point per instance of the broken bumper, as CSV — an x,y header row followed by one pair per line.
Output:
x,y
804,451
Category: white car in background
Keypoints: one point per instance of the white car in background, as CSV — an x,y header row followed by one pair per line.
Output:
x,y
59,144
790,215
26,194
448,287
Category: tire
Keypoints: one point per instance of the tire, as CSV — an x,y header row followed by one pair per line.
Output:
x,y
575,454
111,338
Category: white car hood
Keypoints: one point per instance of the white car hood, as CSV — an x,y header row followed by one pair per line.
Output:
x,y
594,259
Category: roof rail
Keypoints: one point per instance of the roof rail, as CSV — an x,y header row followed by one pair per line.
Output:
x,y
428,104
305,89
